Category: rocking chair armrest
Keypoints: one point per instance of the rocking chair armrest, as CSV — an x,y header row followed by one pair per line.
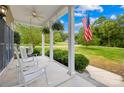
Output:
x,y
24,60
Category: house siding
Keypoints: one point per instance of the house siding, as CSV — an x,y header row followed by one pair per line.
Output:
x,y
6,44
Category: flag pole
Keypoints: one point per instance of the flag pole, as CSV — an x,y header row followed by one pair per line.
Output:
x,y
86,16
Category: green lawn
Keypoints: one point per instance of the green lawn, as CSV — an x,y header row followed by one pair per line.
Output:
x,y
114,54
61,43
110,53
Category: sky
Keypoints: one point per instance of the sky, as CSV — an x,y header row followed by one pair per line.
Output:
x,y
94,11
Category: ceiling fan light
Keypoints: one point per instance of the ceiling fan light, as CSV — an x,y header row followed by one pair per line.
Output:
x,y
34,14
3,10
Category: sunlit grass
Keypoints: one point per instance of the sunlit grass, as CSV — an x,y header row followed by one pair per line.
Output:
x,y
110,53
115,54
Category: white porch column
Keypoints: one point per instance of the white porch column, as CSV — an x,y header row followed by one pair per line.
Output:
x,y
43,44
51,42
71,55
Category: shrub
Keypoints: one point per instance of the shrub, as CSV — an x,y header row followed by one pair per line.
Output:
x,y
37,51
47,53
81,62
17,37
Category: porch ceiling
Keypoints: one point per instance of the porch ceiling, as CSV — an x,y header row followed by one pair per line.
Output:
x,y
22,13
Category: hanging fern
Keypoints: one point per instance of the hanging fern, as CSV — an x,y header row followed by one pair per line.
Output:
x,y
58,26
45,30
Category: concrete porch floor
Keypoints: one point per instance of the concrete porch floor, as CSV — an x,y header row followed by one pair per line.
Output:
x,y
56,73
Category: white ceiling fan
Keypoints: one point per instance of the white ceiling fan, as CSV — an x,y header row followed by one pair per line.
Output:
x,y
34,14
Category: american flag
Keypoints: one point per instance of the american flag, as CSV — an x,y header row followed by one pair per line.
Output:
x,y
87,30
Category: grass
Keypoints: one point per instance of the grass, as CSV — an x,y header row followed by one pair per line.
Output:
x,y
114,54
61,43
110,53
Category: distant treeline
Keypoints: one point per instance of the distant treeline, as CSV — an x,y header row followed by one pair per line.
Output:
x,y
32,35
106,32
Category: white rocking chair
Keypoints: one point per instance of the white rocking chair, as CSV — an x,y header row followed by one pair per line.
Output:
x,y
30,74
27,59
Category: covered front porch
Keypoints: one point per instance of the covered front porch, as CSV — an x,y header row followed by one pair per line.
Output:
x,y
56,74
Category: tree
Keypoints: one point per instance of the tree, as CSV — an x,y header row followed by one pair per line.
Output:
x,y
58,26
29,36
79,36
58,36
120,19
110,32
65,36
100,20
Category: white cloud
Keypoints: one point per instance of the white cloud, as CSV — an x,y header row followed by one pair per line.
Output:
x,y
79,14
89,7
113,17
78,24
62,21
122,6
80,11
